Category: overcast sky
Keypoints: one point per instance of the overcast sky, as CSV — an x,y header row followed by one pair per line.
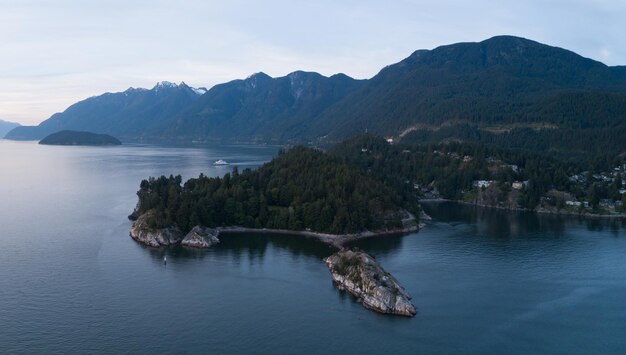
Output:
x,y
54,53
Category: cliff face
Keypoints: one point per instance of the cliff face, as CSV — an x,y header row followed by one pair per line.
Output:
x,y
198,237
360,275
141,232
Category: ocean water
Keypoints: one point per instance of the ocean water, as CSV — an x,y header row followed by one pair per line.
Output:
x,y
484,281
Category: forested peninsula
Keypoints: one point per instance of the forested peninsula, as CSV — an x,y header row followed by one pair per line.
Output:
x,y
302,190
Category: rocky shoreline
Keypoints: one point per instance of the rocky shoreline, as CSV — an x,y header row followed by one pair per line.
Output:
x,y
360,275
204,237
198,237
141,232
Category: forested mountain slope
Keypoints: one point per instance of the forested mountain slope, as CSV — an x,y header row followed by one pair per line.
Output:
x,y
506,90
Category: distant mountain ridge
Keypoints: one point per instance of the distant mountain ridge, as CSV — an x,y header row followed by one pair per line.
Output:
x,y
6,127
503,80
505,90
258,108
128,114
262,108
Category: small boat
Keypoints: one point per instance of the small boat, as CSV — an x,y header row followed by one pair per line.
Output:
x,y
221,162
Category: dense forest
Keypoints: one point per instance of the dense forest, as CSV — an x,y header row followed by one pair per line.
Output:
x,y
299,189
504,81
565,143
452,170
365,183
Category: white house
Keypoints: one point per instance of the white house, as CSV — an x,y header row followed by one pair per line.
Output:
x,y
482,183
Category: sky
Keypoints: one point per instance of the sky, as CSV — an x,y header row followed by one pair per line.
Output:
x,y
54,53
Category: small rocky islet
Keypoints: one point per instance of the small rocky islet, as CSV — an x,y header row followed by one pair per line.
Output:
x,y
360,275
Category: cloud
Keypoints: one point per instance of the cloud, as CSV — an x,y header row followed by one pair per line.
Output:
x,y
604,54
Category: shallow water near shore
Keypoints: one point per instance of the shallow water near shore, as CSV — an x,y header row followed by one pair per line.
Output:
x,y
484,281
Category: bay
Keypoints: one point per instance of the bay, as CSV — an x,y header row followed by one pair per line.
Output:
x,y
484,281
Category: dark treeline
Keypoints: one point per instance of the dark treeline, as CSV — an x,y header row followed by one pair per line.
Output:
x,y
300,189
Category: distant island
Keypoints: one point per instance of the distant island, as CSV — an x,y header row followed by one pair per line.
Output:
x,y
79,138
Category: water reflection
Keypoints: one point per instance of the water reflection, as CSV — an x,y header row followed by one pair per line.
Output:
x,y
238,246
499,226
379,246
506,224
255,245
600,224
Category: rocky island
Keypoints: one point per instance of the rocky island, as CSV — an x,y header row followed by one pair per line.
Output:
x,y
360,275
79,138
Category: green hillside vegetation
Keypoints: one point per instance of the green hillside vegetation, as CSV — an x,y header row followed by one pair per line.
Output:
x,y
452,168
79,138
505,81
365,183
501,80
567,143
300,189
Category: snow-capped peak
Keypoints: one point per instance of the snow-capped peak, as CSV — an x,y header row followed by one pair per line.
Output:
x,y
165,84
170,85
131,89
199,91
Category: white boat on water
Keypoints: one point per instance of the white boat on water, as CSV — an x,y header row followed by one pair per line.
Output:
x,y
221,162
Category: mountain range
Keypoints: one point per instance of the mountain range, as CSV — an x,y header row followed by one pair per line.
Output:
x,y
6,126
505,90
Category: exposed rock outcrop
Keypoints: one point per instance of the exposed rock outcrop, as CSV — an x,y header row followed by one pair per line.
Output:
x,y
200,237
141,232
359,274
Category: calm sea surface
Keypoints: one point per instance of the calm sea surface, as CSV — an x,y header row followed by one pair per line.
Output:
x,y
484,281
